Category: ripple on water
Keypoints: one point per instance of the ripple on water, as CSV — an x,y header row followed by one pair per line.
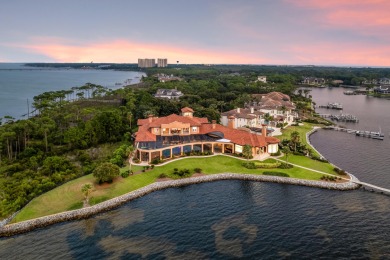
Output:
x,y
221,220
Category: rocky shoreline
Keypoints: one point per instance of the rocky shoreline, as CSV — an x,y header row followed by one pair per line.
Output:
x,y
29,225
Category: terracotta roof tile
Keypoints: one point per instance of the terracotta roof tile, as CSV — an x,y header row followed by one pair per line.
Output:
x,y
236,136
186,109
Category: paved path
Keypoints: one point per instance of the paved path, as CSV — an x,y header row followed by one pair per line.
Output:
x,y
353,178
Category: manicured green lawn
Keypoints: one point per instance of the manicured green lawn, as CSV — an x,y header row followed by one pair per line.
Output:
x,y
302,130
69,196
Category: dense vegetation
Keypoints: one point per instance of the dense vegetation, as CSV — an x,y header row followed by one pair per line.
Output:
x,y
71,132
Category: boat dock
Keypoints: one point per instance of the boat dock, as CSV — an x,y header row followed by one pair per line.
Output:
x,y
356,92
341,117
337,106
369,134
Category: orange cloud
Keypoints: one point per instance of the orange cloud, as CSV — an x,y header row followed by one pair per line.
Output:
x,y
368,16
123,51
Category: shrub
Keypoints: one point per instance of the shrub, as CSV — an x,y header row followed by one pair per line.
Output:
x,y
268,165
249,165
285,166
152,166
197,170
314,157
181,173
125,174
328,178
339,171
163,175
280,174
276,154
156,161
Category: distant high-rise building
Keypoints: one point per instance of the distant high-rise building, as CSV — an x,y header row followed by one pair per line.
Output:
x,y
146,63
161,63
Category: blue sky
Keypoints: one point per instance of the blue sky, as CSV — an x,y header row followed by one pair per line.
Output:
x,y
332,32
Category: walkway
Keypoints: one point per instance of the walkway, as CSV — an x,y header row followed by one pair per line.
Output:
x,y
353,178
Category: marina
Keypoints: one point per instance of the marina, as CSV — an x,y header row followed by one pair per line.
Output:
x,y
330,105
341,117
374,135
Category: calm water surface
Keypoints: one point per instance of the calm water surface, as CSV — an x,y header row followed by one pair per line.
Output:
x,y
243,220
19,83
238,219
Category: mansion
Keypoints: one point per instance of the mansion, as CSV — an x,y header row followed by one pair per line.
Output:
x,y
277,105
174,135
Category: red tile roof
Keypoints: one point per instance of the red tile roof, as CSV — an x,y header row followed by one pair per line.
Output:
x,y
186,109
236,136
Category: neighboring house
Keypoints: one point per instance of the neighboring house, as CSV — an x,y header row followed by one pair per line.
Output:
x,y
384,81
262,79
370,82
166,78
337,81
313,81
168,93
276,105
381,90
242,117
174,135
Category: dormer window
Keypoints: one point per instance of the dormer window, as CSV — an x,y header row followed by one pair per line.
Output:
x,y
194,129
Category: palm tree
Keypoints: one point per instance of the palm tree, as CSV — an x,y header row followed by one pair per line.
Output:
x,y
286,150
295,139
247,151
86,190
306,91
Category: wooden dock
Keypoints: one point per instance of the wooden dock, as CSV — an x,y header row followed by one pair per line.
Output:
x,y
373,135
341,117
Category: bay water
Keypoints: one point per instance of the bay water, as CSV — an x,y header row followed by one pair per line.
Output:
x,y
239,219
19,83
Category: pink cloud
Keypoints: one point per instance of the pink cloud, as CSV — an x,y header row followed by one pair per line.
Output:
x,y
366,16
342,54
124,51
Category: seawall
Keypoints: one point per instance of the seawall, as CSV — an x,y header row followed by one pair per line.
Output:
x,y
29,225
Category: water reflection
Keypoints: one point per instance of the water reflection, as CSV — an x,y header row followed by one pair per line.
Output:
x,y
144,247
232,234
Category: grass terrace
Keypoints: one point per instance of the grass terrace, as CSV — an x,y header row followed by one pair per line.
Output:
x,y
69,196
302,130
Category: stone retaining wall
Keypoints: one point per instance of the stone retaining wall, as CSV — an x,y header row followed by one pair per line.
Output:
x,y
25,226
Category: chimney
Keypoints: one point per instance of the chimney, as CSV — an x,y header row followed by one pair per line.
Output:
x,y
238,110
252,110
231,122
213,122
150,118
264,130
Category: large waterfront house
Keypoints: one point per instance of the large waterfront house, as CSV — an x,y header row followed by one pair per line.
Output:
x,y
242,117
382,90
168,93
313,81
275,104
174,135
273,109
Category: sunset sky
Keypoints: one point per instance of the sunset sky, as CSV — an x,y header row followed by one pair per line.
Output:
x,y
293,32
